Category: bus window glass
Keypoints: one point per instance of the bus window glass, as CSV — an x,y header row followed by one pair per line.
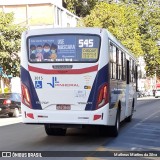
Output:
x,y
63,48
119,58
111,52
120,72
111,70
123,66
119,65
133,70
114,71
114,54
124,60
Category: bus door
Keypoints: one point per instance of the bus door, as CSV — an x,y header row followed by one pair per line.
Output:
x,y
129,90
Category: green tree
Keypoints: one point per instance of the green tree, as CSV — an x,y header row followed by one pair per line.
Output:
x,y
10,35
150,33
135,23
149,11
80,7
120,20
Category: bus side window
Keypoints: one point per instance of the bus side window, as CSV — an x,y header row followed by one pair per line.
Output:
x,y
123,66
111,52
132,70
119,65
120,53
113,61
117,59
128,71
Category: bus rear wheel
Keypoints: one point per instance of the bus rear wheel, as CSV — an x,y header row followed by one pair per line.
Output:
x,y
114,130
54,131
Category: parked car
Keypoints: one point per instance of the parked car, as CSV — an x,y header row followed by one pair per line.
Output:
x,y
157,93
10,104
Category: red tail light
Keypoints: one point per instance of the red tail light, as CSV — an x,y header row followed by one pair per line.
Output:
x,y
7,101
25,96
102,96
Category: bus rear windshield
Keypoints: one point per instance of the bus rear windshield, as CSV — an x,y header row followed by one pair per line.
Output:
x,y
63,48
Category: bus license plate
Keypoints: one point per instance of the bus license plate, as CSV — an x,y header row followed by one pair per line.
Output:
x,y
63,107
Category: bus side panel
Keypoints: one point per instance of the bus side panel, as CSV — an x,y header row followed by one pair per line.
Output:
x,y
27,81
102,77
130,93
122,98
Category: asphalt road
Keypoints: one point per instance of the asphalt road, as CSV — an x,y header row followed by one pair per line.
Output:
x,y
142,134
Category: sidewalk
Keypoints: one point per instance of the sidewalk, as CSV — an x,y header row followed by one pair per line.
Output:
x,y
5,120
148,97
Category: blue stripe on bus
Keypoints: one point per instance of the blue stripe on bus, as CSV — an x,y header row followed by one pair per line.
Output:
x,y
101,78
27,81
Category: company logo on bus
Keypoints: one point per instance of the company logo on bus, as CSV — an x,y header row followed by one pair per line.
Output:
x,y
55,83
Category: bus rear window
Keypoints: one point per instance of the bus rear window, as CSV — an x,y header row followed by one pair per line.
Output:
x,y
63,48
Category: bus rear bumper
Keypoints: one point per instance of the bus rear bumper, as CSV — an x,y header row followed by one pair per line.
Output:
x,y
96,117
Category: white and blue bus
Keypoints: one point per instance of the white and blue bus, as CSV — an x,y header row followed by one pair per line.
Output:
x,y
75,77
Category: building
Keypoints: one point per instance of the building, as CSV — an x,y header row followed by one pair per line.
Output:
x,y
34,14
39,13
141,74
146,83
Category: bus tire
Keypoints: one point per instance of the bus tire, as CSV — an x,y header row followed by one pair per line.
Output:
x,y
114,130
55,131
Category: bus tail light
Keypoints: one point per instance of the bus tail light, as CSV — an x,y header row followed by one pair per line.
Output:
x,y
25,96
102,96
